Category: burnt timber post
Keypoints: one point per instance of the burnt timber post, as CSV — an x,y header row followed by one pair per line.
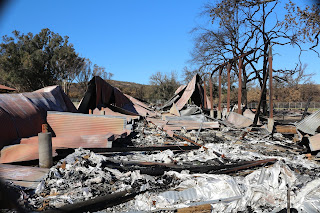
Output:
x,y
211,97
229,87
205,104
219,103
270,119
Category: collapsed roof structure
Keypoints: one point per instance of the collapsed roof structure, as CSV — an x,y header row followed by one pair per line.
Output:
x,y
116,154
193,91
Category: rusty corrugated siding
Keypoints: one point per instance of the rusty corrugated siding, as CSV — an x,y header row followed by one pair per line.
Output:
x,y
310,124
81,124
76,141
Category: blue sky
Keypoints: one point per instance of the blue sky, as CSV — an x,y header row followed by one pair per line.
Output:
x,y
131,39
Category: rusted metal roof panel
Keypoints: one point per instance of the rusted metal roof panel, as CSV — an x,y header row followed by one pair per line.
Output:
x,y
310,124
193,91
25,176
26,118
23,114
28,147
187,93
76,141
21,152
182,87
101,94
63,123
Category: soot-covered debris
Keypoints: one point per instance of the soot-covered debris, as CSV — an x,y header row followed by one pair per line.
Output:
x,y
82,176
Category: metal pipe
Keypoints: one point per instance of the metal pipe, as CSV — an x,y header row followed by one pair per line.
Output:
x,y
45,149
270,82
240,87
229,87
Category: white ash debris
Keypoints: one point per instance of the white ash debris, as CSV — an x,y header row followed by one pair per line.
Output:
x,y
83,175
261,191
148,136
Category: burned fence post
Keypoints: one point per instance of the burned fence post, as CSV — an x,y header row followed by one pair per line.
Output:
x,y
270,119
45,148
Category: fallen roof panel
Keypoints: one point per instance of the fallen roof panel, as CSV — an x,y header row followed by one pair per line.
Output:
x,y
23,114
310,124
25,176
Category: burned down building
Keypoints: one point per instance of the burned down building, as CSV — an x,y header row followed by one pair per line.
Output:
x,y
117,154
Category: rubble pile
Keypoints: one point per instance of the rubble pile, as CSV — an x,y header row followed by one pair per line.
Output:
x,y
83,175
125,157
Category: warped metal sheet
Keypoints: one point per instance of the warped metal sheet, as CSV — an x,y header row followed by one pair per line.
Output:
x,y
63,123
314,142
21,152
310,124
238,120
102,94
25,176
23,114
193,91
28,147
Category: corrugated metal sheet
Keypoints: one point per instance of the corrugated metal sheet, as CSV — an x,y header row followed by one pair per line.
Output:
x,y
23,114
310,124
63,123
28,147
101,94
25,176
193,90
84,141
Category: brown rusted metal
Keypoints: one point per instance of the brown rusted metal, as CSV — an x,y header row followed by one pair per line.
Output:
x,y
229,87
233,60
211,93
23,114
270,83
240,86
205,93
4,88
220,92
45,128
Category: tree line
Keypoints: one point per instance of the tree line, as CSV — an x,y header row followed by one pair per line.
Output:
x,y
29,62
